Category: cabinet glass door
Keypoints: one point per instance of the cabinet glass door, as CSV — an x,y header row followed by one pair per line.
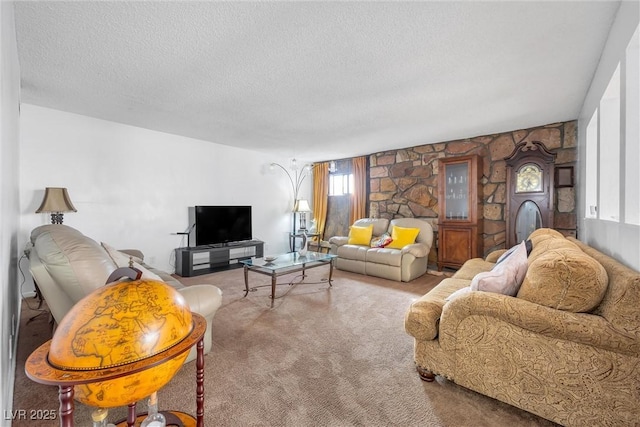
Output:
x,y
457,191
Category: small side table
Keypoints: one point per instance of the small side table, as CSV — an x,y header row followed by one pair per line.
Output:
x,y
319,245
39,370
298,235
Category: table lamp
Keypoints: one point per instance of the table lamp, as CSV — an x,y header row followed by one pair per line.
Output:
x,y
302,207
56,201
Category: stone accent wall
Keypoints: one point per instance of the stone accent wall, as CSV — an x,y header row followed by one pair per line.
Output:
x,y
404,183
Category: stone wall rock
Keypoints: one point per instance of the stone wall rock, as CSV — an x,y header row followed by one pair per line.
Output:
x,y
403,183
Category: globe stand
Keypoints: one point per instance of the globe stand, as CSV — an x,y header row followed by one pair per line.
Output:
x,y
174,419
38,369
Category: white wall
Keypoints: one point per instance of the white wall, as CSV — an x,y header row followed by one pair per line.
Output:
x,y
622,241
132,187
9,151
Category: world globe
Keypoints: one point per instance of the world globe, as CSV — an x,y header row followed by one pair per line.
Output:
x,y
118,324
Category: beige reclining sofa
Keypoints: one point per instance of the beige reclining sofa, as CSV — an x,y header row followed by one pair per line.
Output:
x,y
67,265
400,264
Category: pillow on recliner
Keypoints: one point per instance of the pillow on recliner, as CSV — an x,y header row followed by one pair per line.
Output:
x,y
360,235
402,236
381,241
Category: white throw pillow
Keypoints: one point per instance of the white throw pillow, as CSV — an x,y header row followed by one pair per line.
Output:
x,y
122,260
506,276
458,293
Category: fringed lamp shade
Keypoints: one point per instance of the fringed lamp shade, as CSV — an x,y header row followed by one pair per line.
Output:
x,y
56,201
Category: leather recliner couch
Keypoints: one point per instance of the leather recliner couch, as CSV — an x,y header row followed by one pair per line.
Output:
x,y
403,264
66,265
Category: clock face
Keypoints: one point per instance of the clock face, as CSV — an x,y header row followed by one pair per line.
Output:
x,y
529,178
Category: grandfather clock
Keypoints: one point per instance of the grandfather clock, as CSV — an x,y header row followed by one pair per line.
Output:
x,y
530,201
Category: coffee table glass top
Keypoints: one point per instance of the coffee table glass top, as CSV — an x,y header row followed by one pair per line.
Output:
x,y
291,259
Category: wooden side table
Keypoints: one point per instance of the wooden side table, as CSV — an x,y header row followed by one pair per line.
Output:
x,y
298,235
39,370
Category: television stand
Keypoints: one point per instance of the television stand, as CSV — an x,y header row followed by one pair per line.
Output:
x,y
199,260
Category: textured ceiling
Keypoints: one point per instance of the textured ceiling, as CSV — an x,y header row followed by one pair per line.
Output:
x,y
318,80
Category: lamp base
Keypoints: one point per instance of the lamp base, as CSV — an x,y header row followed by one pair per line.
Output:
x,y
303,221
56,218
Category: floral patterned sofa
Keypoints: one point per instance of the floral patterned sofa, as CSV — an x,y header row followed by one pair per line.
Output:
x,y
566,347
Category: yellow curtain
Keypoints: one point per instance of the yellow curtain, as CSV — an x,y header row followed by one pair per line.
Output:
x,y
320,195
359,196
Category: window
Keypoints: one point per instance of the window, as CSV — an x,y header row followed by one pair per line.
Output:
x,y
612,145
632,132
340,184
609,206
591,199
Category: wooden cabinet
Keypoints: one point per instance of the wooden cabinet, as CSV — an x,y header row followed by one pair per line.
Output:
x,y
459,210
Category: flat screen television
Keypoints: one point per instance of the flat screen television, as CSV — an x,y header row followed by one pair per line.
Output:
x,y
222,224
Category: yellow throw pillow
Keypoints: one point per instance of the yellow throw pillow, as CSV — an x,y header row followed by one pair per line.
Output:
x,y
360,235
403,236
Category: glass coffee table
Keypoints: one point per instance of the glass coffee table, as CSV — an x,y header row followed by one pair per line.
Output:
x,y
283,264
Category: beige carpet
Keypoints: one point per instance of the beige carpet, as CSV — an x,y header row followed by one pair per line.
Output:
x,y
319,357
